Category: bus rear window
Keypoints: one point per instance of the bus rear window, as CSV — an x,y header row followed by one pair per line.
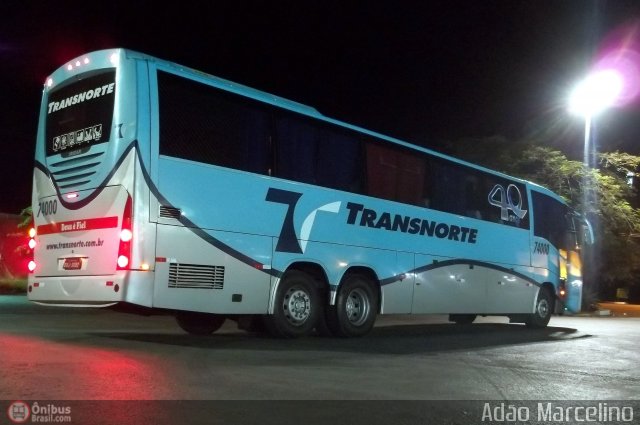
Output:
x,y
80,114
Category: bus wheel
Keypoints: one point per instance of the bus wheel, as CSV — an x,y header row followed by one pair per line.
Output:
x,y
544,308
356,308
462,319
199,323
297,306
323,328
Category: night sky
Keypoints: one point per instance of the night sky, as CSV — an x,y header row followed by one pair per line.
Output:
x,y
426,72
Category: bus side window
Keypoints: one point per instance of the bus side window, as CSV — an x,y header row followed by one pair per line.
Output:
x,y
253,141
311,153
411,171
550,220
471,196
394,174
448,194
202,123
297,143
339,163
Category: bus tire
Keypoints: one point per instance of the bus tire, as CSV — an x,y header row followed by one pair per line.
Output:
x,y
462,319
323,328
543,310
558,307
196,323
297,306
356,308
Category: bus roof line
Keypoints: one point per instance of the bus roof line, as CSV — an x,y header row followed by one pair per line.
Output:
x,y
309,111
301,108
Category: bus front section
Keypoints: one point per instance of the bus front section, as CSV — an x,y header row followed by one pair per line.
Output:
x,y
83,186
570,290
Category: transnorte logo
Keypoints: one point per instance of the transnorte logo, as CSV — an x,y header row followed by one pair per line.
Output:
x,y
358,215
81,97
367,217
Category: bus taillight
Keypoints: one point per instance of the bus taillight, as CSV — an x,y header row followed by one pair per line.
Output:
x,y
31,265
126,236
123,261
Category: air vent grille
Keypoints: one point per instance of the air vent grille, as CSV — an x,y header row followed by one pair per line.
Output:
x,y
75,172
196,276
170,212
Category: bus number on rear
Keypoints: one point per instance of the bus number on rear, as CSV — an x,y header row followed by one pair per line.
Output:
x,y
47,208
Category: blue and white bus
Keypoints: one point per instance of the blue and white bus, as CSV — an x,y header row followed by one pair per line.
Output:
x,y
163,187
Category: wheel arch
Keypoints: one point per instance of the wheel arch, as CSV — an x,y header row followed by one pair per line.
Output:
x,y
311,268
369,274
548,286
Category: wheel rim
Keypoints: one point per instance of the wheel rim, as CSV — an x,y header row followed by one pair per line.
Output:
x,y
297,306
543,308
357,307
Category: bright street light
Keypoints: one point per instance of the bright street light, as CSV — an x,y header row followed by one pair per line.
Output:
x,y
595,93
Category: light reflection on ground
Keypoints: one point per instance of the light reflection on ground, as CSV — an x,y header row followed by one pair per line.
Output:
x,y
68,371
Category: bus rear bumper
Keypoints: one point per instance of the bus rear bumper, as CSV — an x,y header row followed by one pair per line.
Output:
x,y
78,291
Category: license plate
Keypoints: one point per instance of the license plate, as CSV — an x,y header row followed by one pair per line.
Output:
x,y
72,264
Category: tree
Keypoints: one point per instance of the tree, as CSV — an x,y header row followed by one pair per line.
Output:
x,y
26,218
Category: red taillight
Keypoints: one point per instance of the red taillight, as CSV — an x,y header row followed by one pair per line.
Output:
x,y
123,261
126,236
32,244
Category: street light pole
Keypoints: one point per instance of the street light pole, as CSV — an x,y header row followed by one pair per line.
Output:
x,y
587,140
599,91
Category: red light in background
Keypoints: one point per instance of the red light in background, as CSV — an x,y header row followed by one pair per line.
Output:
x,y
84,372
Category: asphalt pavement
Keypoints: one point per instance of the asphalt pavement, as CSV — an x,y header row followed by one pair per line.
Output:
x,y
408,370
